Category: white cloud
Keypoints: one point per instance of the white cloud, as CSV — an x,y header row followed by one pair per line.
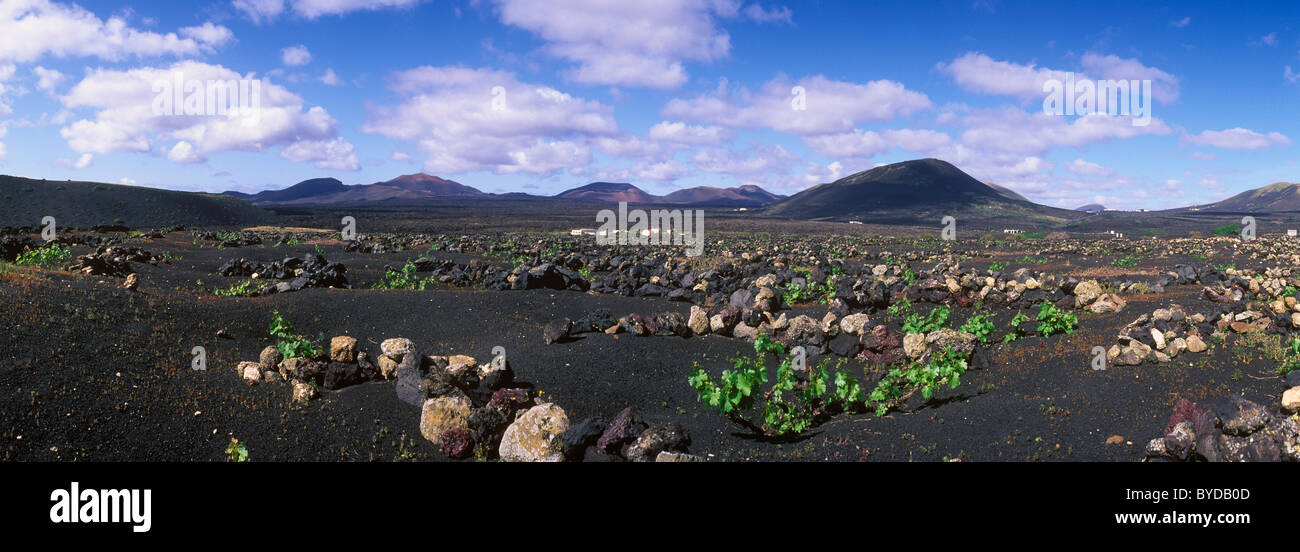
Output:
x,y
1016,131
295,56
260,11
35,28
917,140
47,79
1269,39
265,11
755,163
84,161
126,121
848,145
829,106
1164,86
758,13
336,154
464,119
401,157
330,78
209,34
184,153
1236,139
980,73
1085,168
1289,75
1180,23
693,135
640,44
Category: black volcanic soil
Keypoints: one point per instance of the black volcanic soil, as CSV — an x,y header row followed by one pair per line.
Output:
x,y
92,372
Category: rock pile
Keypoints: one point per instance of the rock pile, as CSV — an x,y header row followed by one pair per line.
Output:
x,y
308,271
1236,430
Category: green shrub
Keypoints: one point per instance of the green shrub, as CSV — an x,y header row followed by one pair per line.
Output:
x,y
236,451
246,288
406,278
1127,261
1228,230
291,344
789,406
936,320
49,256
1052,320
980,326
900,384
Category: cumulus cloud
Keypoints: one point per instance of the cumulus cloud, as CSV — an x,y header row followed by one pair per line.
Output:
x,y
264,11
1016,131
641,44
693,135
336,154
1085,168
849,144
209,34
465,119
36,28
1164,86
47,79
126,121
295,56
330,78
977,72
754,163
812,105
1236,139
980,73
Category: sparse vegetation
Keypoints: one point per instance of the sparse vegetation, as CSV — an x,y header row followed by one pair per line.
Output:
x,y
49,256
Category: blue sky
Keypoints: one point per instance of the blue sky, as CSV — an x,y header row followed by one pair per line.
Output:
x,y
664,94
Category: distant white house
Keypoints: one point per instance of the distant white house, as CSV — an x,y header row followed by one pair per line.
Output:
x,y
1290,233
582,232
855,222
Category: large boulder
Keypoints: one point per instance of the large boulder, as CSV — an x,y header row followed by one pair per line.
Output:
x,y
343,349
443,413
1086,292
651,442
536,436
396,348
623,430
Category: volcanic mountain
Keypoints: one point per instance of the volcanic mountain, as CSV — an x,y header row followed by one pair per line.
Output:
x,y
323,191
1091,208
1279,197
613,192
609,192
918,191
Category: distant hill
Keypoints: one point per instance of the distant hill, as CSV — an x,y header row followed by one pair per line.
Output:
x,y
306,189
613,192
1091,208
610,192
328,191
918,191
86,204
1279,197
